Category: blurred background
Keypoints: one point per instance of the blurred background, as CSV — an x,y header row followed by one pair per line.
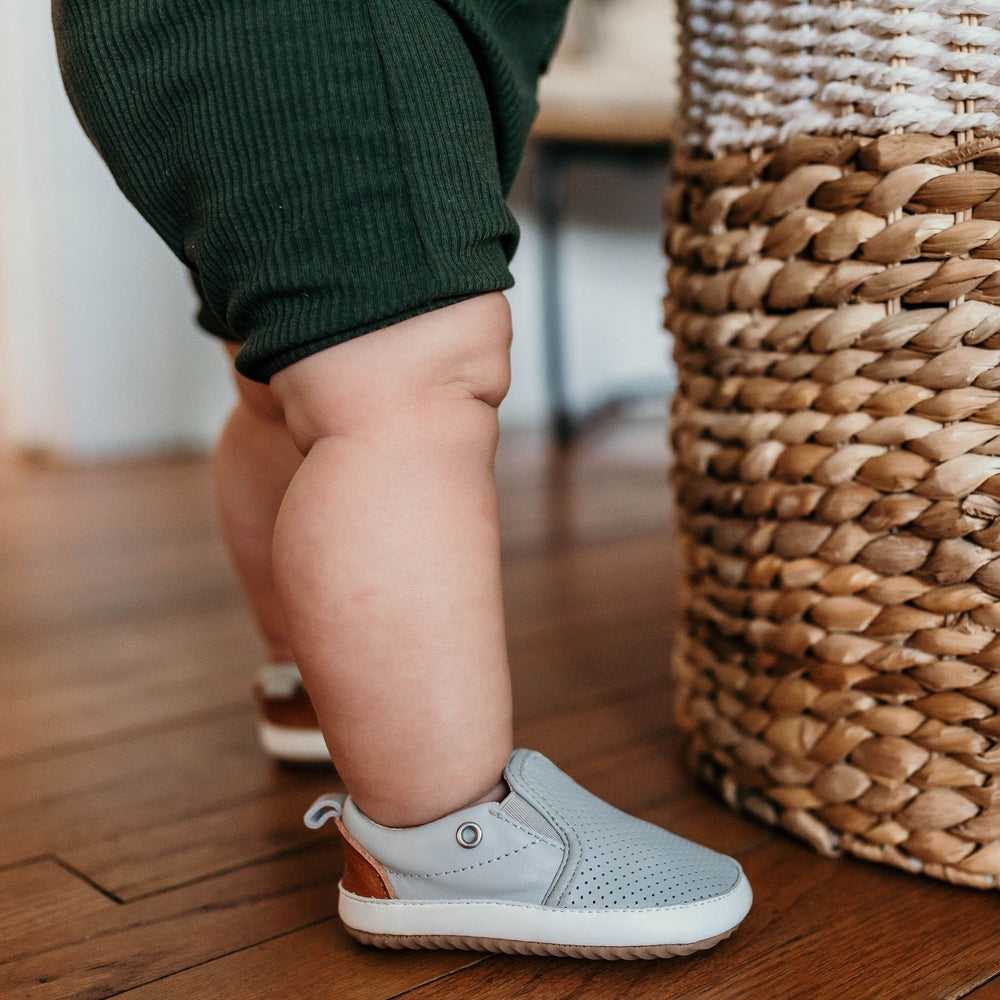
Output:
x,y
99,353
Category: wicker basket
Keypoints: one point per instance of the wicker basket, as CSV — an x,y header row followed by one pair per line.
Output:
x,y
834,235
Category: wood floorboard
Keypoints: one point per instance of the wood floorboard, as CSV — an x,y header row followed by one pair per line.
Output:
x,y
581,733
587,589
58,803
102,511
85,957
163,855
123,581
587,667
148,849
37,895
152,851
610,485
316,963
990,990
134,837
117,677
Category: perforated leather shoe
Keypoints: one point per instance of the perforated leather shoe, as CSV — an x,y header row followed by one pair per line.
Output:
x,y
549,870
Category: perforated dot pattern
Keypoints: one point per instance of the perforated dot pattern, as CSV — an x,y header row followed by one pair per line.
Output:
x,y
625,863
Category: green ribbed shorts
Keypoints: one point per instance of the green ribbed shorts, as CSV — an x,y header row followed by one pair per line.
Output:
x,y
323,167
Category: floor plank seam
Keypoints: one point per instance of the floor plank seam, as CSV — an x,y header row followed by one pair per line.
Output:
x,y
221,955
225,803
481,960
33,859
994,978
288,852
76,873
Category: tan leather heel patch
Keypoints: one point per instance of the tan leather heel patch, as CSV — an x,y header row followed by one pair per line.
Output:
x,y
363,875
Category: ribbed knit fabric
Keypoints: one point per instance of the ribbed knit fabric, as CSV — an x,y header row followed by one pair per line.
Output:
x,y
324,167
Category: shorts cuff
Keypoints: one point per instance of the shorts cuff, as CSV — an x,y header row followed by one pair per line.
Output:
x,y
298,326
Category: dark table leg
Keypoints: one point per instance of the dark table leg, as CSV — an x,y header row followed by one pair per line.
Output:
x,y
550,195
554,159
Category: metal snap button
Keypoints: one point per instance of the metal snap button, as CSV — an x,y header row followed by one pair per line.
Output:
x,y
469,834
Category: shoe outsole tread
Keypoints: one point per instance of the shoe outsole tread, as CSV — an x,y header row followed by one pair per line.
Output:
x,y
509,947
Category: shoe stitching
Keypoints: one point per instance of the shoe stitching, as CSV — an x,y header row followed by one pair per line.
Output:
x,y
711,900
526,830
555,818
467,868
561,822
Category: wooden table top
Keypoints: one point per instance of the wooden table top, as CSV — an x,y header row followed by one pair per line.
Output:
x,y
630,125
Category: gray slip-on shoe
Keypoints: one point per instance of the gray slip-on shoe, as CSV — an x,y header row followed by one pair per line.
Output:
x,y
549,870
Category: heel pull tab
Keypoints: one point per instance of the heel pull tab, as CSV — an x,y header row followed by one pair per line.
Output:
x,y
363,875
325,807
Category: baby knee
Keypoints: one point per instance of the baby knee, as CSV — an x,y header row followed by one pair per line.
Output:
x,y
404,374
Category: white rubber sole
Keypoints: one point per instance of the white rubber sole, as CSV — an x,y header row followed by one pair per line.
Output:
x,y
523,928
293,743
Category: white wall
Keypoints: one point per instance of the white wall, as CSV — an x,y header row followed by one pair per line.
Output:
x,y
99,356
611,280
99,353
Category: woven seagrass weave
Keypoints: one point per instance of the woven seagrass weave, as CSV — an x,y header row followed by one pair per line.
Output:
x,y
764,70
835,304
837,452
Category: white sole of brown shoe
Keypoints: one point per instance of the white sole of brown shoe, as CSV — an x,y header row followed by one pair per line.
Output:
x,y
294,744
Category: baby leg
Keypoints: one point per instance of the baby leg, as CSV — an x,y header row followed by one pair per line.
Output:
x,y
386,556
254,462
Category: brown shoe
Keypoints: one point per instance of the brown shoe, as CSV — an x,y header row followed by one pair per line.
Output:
x,y
287,725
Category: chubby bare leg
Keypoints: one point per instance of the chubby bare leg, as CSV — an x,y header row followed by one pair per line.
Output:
x,y
255,461
387,557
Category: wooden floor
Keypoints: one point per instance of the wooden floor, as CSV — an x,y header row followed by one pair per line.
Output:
x,y
148,849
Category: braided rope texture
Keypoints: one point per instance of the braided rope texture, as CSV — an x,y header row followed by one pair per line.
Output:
x,y
758,71
835,304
